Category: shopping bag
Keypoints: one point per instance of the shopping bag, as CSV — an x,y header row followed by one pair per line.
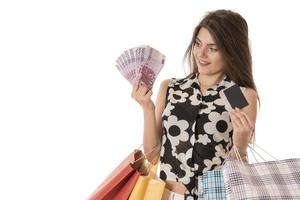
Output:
x,y
279,179
211,185
119,184
148,187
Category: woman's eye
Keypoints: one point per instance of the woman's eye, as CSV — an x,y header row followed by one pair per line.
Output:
x,y
197,43
213,49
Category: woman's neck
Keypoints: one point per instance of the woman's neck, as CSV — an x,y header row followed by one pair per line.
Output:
x,y
209,80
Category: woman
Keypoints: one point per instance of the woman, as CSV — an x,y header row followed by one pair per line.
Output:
x,y
190,122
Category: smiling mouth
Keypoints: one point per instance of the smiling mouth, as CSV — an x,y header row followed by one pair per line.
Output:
x,y
203,63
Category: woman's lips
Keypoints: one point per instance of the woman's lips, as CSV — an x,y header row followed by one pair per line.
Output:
x,y
203,63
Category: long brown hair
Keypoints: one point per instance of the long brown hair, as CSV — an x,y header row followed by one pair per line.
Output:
x,y
229,30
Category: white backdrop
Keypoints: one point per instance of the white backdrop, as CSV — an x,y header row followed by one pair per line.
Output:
x,y
66,115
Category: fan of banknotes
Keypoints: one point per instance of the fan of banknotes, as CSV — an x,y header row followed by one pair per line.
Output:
x,y
141,59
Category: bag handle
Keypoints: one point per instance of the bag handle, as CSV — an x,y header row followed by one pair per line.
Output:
x,y
152,169
253,152
146,154
148,168
237,155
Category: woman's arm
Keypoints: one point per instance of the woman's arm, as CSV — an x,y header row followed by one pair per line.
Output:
x,y
153,134
152,117
243,122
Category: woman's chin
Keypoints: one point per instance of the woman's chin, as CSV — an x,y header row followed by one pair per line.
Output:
x,y
203,70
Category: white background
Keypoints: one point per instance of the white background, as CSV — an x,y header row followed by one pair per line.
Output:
x,y
66,115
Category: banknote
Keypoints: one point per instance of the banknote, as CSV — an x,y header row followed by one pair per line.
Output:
x,y
142,59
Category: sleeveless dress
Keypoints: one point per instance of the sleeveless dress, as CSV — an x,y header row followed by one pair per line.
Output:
x,y
197,131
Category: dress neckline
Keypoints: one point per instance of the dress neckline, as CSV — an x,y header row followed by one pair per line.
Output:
x,y
214,87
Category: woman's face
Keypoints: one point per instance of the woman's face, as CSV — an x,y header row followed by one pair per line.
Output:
x,y
207,55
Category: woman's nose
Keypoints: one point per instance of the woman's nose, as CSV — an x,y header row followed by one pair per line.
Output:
x,y
201,52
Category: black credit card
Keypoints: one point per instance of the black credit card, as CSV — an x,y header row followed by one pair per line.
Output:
x,y
235,97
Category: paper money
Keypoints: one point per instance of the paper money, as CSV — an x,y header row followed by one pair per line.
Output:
x,y
141,59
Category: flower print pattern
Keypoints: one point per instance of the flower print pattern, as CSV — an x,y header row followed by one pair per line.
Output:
x,y
176,129
209,163
166,169
211,92
167,110
218,126
177,96
220,151
197,131
188,174
185,84
203,139
195,98
209,107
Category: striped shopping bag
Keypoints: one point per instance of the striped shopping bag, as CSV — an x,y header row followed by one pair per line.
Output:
x,y
211,185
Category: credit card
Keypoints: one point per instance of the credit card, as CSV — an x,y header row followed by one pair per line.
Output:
x,y
235,97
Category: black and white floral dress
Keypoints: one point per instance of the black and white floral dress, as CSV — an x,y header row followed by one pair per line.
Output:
x,y
197,131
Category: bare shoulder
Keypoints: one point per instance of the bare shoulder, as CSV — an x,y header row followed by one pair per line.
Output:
x,y
251,109
162,91
250,95
164,84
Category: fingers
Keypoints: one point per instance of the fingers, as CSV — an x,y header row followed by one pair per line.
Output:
x,y
136,83
240,118
143,97
247,118
140,92
148,95
234,122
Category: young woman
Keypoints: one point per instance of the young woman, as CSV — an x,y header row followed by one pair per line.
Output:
x,y
190,122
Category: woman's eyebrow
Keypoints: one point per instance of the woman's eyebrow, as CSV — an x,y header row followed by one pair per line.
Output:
x,y
210,44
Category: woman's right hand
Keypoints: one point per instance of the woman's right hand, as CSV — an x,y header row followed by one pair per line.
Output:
x,y
142,94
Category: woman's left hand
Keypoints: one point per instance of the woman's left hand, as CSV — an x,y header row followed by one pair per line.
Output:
x,y
242,129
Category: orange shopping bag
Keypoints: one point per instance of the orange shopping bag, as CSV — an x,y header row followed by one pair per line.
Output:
x,y
149,186
119,184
